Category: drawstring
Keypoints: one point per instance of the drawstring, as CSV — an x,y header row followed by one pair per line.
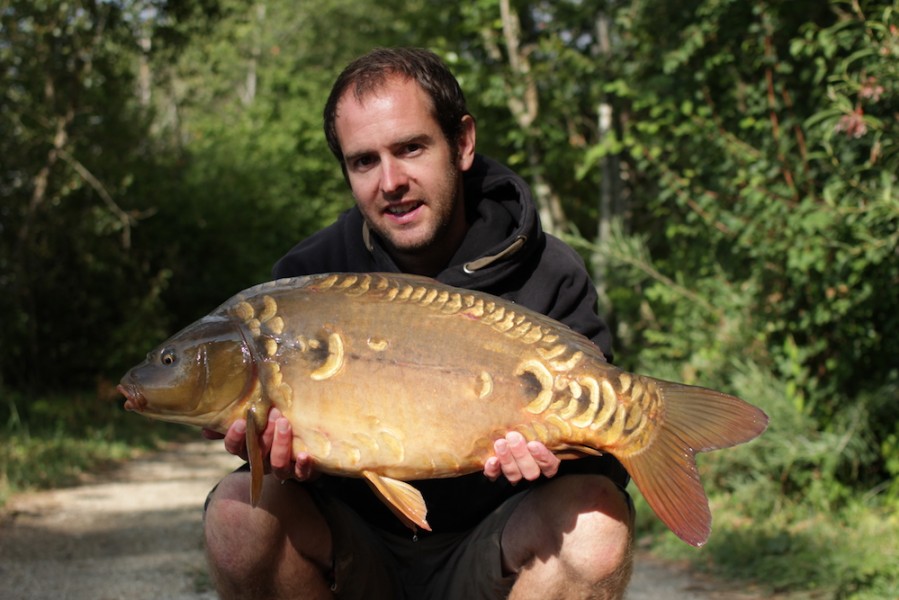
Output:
x,y
366,236
477,265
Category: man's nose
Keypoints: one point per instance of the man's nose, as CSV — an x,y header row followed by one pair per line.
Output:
x,y
393,177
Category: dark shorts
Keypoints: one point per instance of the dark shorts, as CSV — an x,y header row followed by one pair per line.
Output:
x,y
373,564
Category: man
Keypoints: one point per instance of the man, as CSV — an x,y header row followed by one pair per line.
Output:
x,y
528,526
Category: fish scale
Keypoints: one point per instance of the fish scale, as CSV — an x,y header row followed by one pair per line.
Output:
x,y
394,378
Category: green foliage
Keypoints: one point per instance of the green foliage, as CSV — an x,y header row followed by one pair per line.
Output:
x,y
71,147
536,99
762,262
792,198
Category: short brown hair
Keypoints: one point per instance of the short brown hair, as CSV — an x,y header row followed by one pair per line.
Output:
x,y
371,71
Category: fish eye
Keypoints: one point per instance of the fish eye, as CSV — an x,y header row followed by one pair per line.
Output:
x,y
168,357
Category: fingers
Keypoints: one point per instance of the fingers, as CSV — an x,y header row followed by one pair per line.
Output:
x,y
546,461
518,459
236,439
281,449
515,458
492,468
278,438
268,435
303,468
236,436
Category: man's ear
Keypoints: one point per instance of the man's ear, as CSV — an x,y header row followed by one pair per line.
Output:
x,y
466,142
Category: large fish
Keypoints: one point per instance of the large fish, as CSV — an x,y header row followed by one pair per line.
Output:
x,y
395,378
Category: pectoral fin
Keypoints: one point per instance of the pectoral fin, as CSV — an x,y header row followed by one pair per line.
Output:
x,y
254,456
404,500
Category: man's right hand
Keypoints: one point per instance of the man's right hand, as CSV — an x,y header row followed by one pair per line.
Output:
x,y
276,442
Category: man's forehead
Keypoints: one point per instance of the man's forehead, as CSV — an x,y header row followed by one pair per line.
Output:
x,y
367,88
394,114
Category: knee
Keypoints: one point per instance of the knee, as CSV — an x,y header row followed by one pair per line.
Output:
x,y
599,543
243,542
229,523
228,504
575,530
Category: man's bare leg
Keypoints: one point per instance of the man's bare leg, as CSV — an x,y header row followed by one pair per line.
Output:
x,y
280,549
570,538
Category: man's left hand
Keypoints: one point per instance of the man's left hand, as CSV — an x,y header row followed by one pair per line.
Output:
x,y
519,459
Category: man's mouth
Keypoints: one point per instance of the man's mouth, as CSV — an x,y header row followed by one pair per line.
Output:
x,y
401,210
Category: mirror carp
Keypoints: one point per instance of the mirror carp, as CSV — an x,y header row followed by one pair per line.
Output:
x,y
394,378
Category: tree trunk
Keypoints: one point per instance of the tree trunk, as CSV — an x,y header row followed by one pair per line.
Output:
x,y
608,172
524,108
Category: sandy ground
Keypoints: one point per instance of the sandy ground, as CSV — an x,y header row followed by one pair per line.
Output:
x,y
136,534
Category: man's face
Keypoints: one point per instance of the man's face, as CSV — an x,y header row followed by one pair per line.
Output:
x,y
404,175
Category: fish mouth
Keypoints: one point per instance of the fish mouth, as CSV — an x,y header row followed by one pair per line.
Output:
x,y
134,400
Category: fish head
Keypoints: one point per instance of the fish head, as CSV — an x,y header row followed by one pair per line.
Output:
x,y
204,375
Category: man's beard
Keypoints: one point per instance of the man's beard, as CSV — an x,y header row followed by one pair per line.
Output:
x,y
441,227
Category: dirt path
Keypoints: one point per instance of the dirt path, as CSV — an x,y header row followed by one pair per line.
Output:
x,y
137,535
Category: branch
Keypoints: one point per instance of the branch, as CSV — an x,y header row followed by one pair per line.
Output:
x,y
42,179
124,218
524,109
772,112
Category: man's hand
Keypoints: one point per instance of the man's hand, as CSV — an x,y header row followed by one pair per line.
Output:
x,y
518,459
276,443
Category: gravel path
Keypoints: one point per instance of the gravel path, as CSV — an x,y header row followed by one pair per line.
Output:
x,y
137,535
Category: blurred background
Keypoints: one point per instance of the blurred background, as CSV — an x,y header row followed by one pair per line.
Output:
x,y
726,168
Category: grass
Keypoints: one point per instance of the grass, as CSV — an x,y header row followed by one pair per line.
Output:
x,y
792,552
57,440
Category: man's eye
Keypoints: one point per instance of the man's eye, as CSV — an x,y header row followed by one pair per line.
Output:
x,y
363,162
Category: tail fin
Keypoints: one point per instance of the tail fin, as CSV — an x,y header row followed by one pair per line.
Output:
x,y
695,420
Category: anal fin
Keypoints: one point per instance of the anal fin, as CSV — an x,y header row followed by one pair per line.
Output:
x,y
404,500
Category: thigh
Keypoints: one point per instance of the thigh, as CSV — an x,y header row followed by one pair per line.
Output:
x,y
473,570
